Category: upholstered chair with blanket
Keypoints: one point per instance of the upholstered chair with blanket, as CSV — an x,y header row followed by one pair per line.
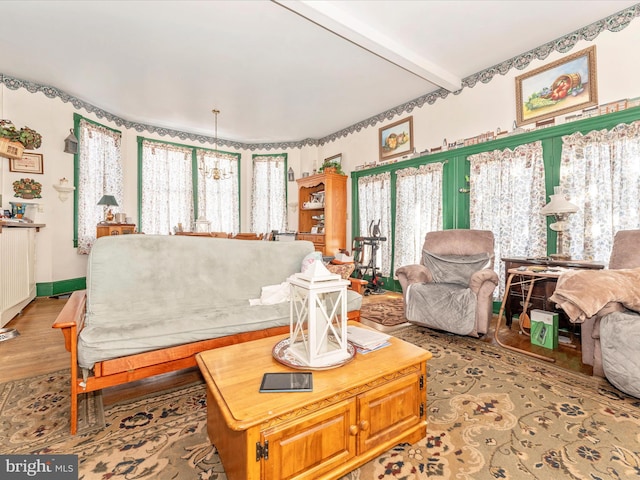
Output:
x,y
606,303
452,288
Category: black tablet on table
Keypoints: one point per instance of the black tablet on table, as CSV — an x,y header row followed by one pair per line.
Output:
x,y
287,382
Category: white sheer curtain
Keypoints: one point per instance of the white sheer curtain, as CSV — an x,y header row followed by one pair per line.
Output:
x,y
269,194
99,173
507,193
600,173
167,187
418,210
374,204
219,200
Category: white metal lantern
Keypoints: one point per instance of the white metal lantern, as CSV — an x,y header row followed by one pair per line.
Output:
x,y
318,317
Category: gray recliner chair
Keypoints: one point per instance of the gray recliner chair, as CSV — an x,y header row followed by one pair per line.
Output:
x,y
452,288
624,254
607,304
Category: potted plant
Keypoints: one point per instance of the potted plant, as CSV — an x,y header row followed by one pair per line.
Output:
x,y
25,137
331,166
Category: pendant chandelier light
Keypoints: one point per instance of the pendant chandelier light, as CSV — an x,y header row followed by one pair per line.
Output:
x,y
215,173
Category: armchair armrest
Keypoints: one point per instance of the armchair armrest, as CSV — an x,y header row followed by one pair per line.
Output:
x,y
357,284
345,269
479,278
413,274
71,318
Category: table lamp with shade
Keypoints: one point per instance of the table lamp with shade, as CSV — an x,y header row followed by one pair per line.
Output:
x,y
560,208
108,201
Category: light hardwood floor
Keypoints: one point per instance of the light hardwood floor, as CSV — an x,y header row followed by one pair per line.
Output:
x,y
40,349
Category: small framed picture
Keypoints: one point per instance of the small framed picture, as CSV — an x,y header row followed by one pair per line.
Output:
x,y
29,163
396,139
336,158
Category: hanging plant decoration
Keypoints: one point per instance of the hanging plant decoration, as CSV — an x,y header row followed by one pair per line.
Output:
x,y
14,141
28,137
27,188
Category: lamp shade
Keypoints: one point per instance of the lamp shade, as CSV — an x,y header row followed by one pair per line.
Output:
x,y
108,200
558,204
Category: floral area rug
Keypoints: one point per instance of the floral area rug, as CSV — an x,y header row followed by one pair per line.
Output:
x,y
492,414
35,410
388,313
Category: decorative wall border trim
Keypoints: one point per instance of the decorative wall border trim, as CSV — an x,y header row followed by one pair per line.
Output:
x,y
612,23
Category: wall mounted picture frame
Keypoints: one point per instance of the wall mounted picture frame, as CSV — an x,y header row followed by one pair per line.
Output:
x,y
336,158
29,163
558,88
396,139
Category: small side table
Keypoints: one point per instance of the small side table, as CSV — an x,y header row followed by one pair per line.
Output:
x,y
105,229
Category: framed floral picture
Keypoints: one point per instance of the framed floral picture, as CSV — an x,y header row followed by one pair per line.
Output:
x,y
560,87
396,139
29,163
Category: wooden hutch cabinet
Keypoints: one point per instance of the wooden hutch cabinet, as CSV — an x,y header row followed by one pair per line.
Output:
x,y
323,223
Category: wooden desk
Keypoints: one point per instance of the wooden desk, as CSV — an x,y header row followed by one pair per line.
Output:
x,y
355,412
543,288
521,277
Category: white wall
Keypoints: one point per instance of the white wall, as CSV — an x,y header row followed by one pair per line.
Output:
x,y
475,110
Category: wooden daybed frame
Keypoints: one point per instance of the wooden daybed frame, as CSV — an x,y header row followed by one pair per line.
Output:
x,y
118,371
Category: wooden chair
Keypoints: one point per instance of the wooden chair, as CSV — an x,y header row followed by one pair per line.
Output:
x,y
205,234
248,236
345,269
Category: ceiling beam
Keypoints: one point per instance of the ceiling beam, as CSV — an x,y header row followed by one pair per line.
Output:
x,y
328,16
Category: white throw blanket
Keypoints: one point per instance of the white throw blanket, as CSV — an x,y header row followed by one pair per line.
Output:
x,y
272,294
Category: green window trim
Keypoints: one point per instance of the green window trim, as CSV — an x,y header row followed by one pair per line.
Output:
x,y
455,203
286,167
194,169
76,168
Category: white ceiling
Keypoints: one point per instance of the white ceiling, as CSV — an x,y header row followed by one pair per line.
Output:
x,y
274,75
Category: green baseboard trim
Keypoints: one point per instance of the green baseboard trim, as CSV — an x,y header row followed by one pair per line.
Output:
x,y
51,289
496,307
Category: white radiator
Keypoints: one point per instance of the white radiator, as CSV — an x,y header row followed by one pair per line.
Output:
x,y
17,285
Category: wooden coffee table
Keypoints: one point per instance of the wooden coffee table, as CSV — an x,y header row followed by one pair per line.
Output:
x,y
355,412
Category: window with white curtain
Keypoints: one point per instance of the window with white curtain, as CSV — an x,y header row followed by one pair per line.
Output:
x,y
374,204
269,193
600,173
418,210
219,199
167,187
99,173
507,194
